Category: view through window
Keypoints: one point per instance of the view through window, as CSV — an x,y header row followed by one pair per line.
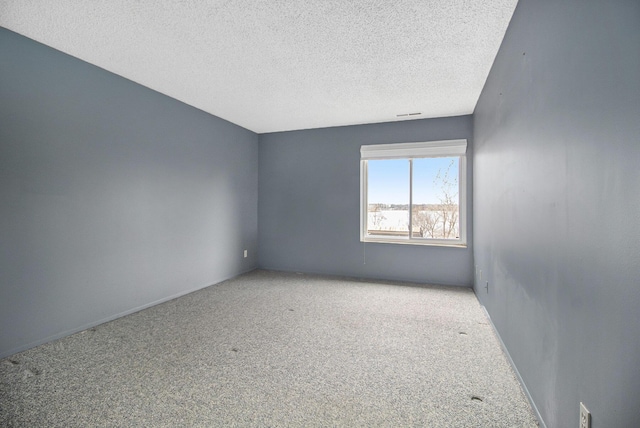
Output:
x,y
414,199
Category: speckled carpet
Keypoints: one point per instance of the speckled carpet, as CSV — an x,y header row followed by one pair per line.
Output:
x,y
276,349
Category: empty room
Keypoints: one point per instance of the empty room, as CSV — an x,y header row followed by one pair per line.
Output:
x,y
320,213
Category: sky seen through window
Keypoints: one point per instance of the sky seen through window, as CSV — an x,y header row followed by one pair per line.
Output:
x,y
389,180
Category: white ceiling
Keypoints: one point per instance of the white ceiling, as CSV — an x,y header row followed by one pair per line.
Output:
x,y
277,65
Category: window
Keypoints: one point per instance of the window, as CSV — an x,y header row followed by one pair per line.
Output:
x,y
414,193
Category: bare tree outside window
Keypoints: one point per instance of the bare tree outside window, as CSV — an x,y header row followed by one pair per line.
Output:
x,y
440,220
376,215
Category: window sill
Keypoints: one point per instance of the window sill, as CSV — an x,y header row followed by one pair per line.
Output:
x,y
424,243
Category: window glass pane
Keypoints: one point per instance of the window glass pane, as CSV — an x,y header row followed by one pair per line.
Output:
x,y
435,212
388,197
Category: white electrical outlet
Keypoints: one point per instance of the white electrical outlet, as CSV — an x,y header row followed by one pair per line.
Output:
x,y
245,254
585,417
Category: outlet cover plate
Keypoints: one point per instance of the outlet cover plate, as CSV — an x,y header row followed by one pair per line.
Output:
x,y
585,417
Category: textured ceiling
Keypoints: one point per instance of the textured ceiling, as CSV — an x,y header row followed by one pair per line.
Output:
x,y
276,65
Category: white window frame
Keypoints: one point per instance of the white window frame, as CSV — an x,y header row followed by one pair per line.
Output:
x,y
428,149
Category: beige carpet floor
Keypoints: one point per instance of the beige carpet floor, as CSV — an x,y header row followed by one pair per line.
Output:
x,y
270,349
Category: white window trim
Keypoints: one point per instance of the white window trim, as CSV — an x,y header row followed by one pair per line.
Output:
x,y
428,149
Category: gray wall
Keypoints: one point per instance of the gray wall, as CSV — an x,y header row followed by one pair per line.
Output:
x,y
557,204
309,205
112,196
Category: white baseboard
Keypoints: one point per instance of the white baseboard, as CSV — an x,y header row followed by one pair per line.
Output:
x,y
69,332
515,369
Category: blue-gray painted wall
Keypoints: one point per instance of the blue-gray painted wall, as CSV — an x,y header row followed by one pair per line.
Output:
x,y
557,206
309,205
112,196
